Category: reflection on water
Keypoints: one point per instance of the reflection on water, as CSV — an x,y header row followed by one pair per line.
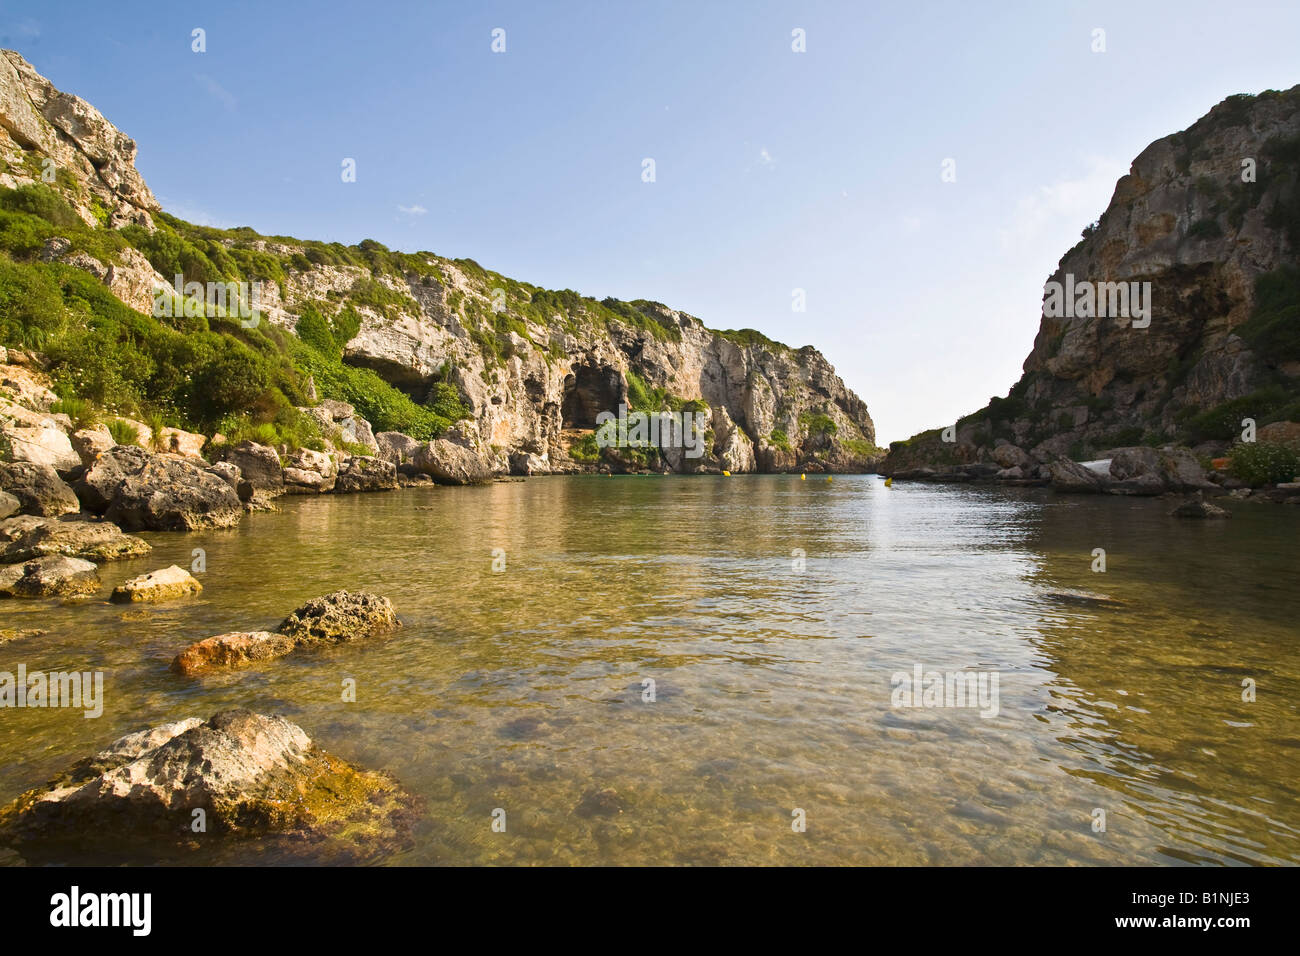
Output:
x,y
523,690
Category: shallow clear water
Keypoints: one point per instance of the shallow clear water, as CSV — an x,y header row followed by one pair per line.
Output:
x,y
523,690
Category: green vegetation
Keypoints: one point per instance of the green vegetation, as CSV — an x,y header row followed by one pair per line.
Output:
x,y
82,413
1273,329
779,439
1263,463
751,337
124,433
320,352
817,423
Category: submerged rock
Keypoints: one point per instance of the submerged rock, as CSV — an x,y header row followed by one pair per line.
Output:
x,y
341,616
1198,507
162,585
52,576
98,541
250,774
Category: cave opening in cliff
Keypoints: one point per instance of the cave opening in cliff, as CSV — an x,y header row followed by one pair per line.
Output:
x,y
589,390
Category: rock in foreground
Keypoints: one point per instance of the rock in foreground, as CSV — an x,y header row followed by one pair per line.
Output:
x,y
250,774
174,494
231,650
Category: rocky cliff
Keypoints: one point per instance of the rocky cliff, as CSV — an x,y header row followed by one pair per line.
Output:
x,y
503,375
1204,235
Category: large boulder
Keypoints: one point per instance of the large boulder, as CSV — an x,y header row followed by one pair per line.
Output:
x,y
8,505
1071,477
105,473
340,616
231,650
97,541
163,585
395,447
174,494
52,576
259,466
309,472
451,463
364,473
38,488
1182,472
1008,455
1134,462
43,443
251,775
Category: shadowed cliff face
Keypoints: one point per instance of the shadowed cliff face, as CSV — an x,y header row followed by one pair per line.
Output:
x,y
1201,218
533,367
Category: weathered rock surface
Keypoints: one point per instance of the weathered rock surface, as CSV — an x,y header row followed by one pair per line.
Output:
x,y
450,463
251,774
364,473
231,650
166,584
52,576
105,473
8,504
1198,507
174,494
38,488
309,472
97,541
259,466
1071,477
340,616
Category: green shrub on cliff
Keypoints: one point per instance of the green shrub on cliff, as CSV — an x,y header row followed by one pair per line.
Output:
x,y
1264,463
1273,329
319,352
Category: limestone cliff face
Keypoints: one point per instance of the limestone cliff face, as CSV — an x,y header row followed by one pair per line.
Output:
x,y
1201,216
534,368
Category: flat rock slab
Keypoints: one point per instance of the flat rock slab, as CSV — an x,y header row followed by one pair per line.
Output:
x,y
164,585
53,576
231,650
251,775
91,540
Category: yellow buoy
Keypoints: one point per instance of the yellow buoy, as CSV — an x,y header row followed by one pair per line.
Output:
x,y
889,482
803,477
828,477
726,474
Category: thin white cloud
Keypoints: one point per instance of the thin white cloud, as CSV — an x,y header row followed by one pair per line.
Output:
x,y
416,210
216,90
765,158
191,213
1065,206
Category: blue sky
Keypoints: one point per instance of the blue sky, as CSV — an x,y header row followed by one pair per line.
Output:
x,y
775,170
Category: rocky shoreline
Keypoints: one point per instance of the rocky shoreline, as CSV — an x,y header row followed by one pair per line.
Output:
x,y
1136,471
